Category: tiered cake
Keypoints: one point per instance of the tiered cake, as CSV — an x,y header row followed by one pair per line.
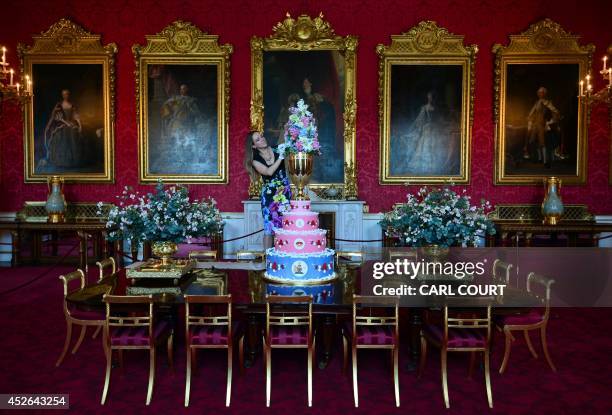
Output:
x,y
300,254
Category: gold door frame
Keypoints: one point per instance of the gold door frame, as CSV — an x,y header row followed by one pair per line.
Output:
x,y
183,43
425,44
544,42
302,35
65,42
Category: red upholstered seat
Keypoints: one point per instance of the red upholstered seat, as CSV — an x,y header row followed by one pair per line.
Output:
x,y
138,336
289,335
526,319
375,335
370,335
205,335
456,337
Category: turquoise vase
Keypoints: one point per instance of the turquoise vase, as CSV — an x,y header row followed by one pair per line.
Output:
x,y
552,206
56,203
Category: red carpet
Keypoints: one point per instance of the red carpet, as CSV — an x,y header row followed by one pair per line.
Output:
x,y
34,330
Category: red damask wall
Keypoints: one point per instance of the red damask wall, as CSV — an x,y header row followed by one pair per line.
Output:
x,y
482,22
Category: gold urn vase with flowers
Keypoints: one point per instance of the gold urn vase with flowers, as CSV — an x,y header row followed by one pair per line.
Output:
x,y
301,143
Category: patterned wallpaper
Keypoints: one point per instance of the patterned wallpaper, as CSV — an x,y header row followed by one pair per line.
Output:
x,y
482,22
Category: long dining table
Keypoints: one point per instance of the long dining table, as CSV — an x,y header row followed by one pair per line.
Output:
x,y
246,283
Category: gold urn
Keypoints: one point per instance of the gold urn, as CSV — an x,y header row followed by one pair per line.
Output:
x,y
299,166
164,250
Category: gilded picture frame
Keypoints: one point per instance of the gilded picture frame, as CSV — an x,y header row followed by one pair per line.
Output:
x,y
303,35
418,65
183,100
540,128
69,65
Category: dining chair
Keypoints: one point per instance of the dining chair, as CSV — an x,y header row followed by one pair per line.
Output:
x,y
288,326
131,325
461,331
75,316
208,328
375,325
203,255
538,287
502,272
107,268
250,256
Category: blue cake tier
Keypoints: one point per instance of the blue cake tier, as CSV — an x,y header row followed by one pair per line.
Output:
x,y
300,268
321,293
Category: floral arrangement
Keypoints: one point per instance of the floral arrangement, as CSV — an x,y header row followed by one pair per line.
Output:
x,y
164,215
300,132
280,201
438,216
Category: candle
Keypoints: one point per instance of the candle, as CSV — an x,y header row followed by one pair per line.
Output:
x,y
29,88
609,76
3,55
17,85
581,88
12,72
605,60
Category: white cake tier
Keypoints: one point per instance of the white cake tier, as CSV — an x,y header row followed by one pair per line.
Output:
x,y
300,221
300,242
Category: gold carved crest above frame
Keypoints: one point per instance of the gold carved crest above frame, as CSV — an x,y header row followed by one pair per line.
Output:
x,y
426,44
544,42
182,43
304,34
65,42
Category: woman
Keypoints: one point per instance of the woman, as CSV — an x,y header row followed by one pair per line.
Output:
x,y
63,139
261,159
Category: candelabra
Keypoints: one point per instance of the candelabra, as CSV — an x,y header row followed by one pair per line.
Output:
x,y
9,89
588,97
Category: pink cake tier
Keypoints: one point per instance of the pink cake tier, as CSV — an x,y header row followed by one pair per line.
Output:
x,y
300,242
301,221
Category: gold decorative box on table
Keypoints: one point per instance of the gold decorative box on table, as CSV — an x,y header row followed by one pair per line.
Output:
x,y
154,269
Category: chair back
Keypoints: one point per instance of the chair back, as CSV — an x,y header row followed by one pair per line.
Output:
x,y
477,318
66,280
349,257
538,286
208,314
375,311
501,271
295,311
107,267
129,311
411,254
203,255
250,256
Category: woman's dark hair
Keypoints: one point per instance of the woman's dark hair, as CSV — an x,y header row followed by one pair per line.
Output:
x,y
248,155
